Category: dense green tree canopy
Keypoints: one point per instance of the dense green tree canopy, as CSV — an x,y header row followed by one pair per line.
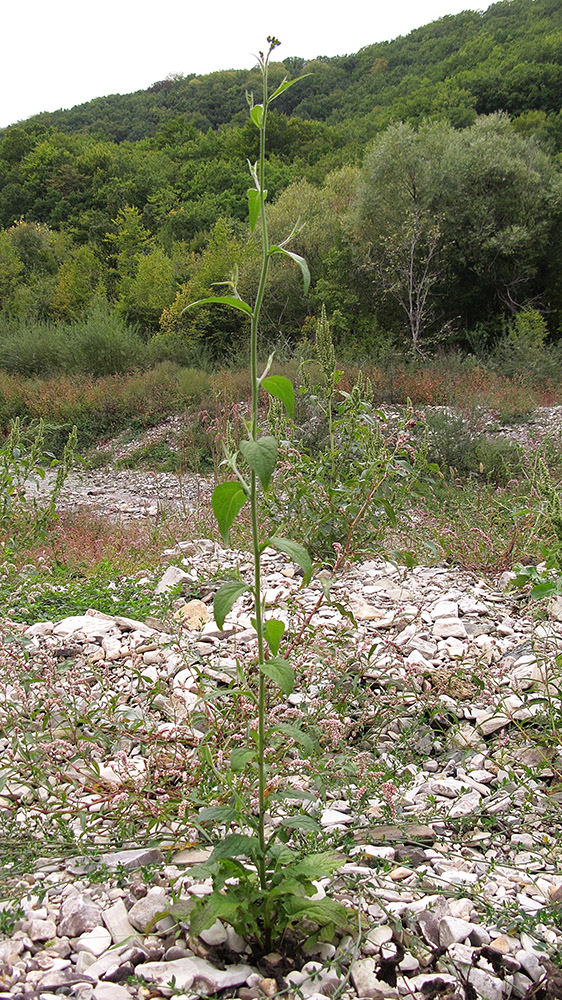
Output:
x,y
423,176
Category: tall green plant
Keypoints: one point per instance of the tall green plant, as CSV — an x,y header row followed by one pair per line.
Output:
x,y
272,894
26,513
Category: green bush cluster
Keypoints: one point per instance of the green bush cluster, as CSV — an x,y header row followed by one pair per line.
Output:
x,y
429,200
456,445
100,343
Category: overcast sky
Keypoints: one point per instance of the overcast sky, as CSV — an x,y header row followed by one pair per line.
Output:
x,y
64,52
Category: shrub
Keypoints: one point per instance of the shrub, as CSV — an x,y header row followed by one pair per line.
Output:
x,y
103,344
455,443
523,354
100,344
33,349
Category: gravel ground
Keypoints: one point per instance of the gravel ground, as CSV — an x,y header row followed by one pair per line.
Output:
x,y
454,864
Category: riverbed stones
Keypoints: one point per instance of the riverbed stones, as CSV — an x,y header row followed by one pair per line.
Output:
x,y
452,930
78,914
171,577
467,817
145,911
195,974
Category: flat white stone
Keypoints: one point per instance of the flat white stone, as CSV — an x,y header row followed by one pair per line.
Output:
x,y
426,983
461,954
196,973
409,963
172,576
378,851
112,647
489,722
427,648
364,978
332,817
445,628
111,991
380,935
215,934
444,609
451,788
91,626
455,648
465,805
117,922
487,986
453,929
144,911
530,963
96,941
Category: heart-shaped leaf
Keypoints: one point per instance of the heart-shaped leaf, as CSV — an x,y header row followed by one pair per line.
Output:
x,y
273,631
256,114
281,388
227,502
295,734
261,456
253,207
225,598
240,757
281,673
223,815
285,84
300,822
235,845
223,300
295,552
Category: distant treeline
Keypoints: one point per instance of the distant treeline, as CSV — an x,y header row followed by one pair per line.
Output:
x,y
426,173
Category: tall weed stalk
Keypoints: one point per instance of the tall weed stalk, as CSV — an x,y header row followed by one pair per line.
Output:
x,y
267,897
26,512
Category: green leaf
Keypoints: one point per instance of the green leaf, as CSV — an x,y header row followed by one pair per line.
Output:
x,y
253,207
223,300
261,456
295,552
281,673
290,887
320,911
285,86
217,814
240,757
227,502
225,598
282,854
218,870
293,793
389,511
300,822
213,907
297,735
235,844
281,388
544,590
298,260
182,908
317,865
273,631
256,114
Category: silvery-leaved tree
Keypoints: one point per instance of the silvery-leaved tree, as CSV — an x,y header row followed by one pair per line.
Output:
x,y
262,887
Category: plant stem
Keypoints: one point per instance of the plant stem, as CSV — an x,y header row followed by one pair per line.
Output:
x,y
262,868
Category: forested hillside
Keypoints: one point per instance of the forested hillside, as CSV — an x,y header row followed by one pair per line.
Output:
x,y
425,171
